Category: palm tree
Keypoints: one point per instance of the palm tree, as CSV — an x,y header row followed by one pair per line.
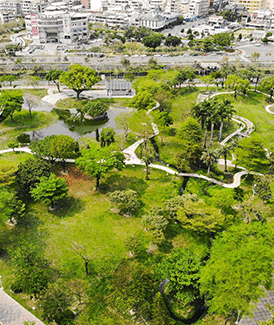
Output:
x,y
214,118
226,150
225,110
209,156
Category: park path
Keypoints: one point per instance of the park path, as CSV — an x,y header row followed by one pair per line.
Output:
x,y
12,313
132,159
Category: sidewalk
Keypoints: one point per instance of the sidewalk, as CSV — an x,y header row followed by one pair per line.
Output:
x,y
12,313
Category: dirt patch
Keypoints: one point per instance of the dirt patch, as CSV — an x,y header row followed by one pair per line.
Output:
x,y
78,182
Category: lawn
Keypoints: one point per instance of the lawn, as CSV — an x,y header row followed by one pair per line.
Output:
x,y
252,107
9,131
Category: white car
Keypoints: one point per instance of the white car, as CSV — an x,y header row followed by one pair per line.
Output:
x,y
135,56
257,44
157,55
143,55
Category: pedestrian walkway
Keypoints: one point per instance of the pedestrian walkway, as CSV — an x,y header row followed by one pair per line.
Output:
x,y
12,313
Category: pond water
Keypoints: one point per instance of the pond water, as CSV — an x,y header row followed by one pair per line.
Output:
x,y
87,128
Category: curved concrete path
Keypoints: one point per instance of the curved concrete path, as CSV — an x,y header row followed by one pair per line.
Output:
x,y
132,159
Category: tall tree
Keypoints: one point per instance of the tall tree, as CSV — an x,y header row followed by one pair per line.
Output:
x,y
10,101
107,136
237,84
97,162
79,78
54,75
51,189
226,150
225,110
208,157
126,201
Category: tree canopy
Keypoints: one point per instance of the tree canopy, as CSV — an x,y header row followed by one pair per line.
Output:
x,y
79,78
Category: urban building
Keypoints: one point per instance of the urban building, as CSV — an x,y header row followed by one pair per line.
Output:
x,y
198,8
68,27
252,5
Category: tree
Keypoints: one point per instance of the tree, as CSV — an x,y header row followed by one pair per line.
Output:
x,y
267,86
191,134
32,271
160,313
172,40
255,56
209,157
238,270
207,80
13,145
226,150
237,84
95,108
51,189
126,201
182,269
97,162
225,110
10,101
62,147
107,136
152,40
253,209
29,173
79,78
125,63
30,101
32,81
82,252
143,100
55,304
171,206
147,156
265,40
251,153
222,39
156,223
199,217
42,148
122,122
54,75
8,78
133,243
17,209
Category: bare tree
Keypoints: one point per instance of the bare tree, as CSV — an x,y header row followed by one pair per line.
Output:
x,y
82,252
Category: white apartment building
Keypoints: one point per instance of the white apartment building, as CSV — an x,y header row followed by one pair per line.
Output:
x,y
198,8
155,4
66,27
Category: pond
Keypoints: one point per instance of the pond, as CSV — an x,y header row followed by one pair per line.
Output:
x,y
87,128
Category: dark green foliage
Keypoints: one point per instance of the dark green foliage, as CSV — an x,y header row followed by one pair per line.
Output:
x,y
95,108
10,101
239,268
153,40
182,269
97,162
50,189
251,154
29,173
107,136
126,201
32,273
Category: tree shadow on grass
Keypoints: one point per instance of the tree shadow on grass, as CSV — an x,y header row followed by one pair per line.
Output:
x,y
117,182
68,207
